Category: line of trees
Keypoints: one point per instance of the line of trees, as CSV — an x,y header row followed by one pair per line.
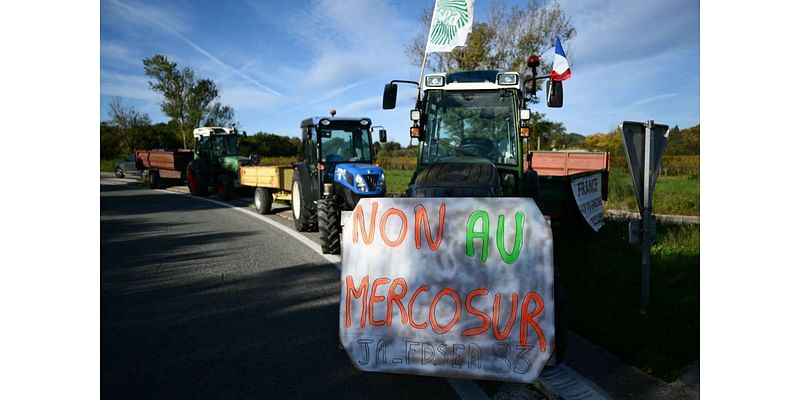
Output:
x,y
188,101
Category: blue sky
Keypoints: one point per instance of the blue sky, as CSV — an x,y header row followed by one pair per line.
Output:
x,y
278,62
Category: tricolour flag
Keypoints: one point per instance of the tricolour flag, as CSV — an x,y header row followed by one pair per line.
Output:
x,y
451,22
560,70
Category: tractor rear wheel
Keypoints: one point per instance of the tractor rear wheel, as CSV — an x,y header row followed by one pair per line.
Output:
x,y
305,219
263,200
329,227
196,179
224,187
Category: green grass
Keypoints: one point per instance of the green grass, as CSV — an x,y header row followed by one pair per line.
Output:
x,y
602,276
673,195
107,165
397,181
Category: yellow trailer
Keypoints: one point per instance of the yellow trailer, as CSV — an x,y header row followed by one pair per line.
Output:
x,y
273,182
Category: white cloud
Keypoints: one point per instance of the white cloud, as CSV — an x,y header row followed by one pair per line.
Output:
x,y
621,30
126,86
161,19
654,98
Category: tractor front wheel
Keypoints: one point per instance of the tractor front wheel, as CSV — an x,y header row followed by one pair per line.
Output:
x,y
329,226
224,187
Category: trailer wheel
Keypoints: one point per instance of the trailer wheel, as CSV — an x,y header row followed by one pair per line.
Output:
x,y
263,200
329,227
119,173
224,187
196,179
152,180
304,219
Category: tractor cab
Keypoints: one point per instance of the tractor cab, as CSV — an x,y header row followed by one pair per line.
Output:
x,y
339,152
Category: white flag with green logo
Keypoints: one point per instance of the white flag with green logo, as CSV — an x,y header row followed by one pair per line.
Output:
x,y
451,22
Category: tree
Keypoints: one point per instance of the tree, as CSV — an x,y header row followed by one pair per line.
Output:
x,y
128,121
190,102
503,42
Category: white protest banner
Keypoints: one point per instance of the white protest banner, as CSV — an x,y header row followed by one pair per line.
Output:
x,y
450,287
588,196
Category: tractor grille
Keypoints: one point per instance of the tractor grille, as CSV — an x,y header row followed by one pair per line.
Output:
x,y
372,181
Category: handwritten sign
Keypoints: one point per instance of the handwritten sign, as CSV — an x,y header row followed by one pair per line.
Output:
x,y
450,287
588,196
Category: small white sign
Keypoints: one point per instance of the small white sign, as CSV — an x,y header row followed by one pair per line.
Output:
x,y
589,198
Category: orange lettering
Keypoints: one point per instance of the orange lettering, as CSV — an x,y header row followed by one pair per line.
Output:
x,y
527,318
373,298
362,291
386,215
472,310
421,216
411,308
495,317
394,297
358,221
432,313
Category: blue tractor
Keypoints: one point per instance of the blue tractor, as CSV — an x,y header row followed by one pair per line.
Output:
x,y
338,169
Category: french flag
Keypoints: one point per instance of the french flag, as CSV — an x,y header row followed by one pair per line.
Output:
x,y
560,70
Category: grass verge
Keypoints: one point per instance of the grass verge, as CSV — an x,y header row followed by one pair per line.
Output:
x,y
602,276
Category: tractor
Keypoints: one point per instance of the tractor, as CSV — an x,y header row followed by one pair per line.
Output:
x,y
337,170
215,168
473,129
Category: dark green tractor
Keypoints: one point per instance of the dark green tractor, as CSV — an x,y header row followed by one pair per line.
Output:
x,y
215,168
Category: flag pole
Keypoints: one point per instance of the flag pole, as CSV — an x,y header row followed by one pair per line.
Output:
x,y
421,72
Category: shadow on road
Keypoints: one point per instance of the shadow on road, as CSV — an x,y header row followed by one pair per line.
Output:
x,y
187,313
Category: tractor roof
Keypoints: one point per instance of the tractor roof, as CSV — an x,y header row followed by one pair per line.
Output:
x,y
212,130
473,80
313,121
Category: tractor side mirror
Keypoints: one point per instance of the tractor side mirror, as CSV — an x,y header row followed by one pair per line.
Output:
x,y
307,133
555,94
382,135
389,96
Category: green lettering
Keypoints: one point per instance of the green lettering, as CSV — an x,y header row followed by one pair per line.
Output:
x,y
483,235
519,218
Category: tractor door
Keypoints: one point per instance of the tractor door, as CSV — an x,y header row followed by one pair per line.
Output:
x,y
311,158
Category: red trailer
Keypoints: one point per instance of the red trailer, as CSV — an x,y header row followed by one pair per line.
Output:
x,y
163,164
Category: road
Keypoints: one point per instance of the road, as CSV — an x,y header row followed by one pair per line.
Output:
x,y
201,301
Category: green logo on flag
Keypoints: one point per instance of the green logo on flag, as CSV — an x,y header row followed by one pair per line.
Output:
x,y
448,17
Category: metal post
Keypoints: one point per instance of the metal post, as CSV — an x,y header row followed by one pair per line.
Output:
x,y
646,211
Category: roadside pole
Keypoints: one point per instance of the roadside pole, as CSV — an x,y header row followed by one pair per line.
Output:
x,y
644,146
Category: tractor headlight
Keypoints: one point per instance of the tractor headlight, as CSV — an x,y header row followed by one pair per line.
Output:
x,y
382,182
361,184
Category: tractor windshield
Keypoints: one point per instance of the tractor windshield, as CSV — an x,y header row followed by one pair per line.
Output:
x,y
346,143
470,124
225,145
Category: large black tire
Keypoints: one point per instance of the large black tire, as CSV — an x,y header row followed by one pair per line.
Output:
x,y
329,226
305,219
119,173
263,200
196,179
224,187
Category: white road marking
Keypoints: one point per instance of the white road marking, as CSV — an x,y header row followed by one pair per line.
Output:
x,y
336,261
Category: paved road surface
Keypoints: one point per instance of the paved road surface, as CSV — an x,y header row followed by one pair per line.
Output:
x,y
200,301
